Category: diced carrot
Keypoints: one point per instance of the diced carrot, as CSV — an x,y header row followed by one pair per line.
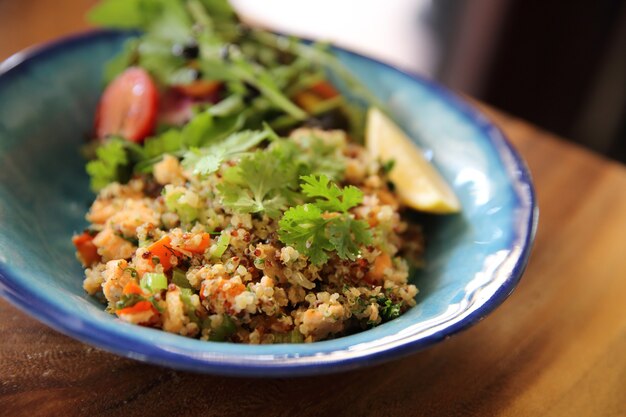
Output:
x,y
372,220
87,251
199,247
324,89
163,250
131,287
229,294
202,297
377,272
235,290
200,89
140,307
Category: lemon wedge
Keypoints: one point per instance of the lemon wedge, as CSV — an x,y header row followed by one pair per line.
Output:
x,y
417,182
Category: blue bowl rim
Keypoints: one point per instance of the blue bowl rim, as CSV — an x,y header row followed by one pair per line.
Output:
x,y
48,312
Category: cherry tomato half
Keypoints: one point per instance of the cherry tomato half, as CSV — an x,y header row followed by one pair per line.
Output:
x,y
128,106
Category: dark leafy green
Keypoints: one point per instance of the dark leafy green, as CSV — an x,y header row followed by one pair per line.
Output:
x,y
261,72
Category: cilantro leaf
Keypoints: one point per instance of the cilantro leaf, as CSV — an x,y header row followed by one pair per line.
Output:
x,y
202,163
239,199
110,165
310,158
207,160
263,181
332,198
352,197
346,234
204,130
304,228
314,231
321,187
322,158
259,183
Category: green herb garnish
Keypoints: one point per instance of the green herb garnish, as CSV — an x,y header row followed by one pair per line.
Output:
x,y
262,182
110,164
183,41
325,225
205,161
388,309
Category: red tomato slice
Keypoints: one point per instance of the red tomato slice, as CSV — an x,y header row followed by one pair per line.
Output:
x,y
128,106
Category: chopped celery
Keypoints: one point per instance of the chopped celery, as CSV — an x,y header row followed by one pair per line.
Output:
x,y
179,278
153,282
226,329
190,309
175,201
222,244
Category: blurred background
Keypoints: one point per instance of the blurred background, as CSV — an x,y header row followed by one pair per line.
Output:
x,y
558,64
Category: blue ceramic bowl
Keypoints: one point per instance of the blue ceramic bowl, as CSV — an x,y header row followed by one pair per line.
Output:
x,y
474,260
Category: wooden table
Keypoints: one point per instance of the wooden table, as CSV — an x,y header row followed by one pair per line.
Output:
x,y
556,347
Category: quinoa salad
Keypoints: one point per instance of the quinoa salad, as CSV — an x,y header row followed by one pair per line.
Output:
x,y
235,199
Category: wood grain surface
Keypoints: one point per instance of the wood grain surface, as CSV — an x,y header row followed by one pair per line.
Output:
x,y
556,347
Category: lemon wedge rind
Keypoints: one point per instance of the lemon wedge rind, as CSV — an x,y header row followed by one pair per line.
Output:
x,y
418,183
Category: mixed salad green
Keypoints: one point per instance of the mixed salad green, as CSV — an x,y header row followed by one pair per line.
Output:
x,y
212,76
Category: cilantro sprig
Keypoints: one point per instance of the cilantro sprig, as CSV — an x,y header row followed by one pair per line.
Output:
x,y
325,225
204,130
262,182
111,164
329,196
207,160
